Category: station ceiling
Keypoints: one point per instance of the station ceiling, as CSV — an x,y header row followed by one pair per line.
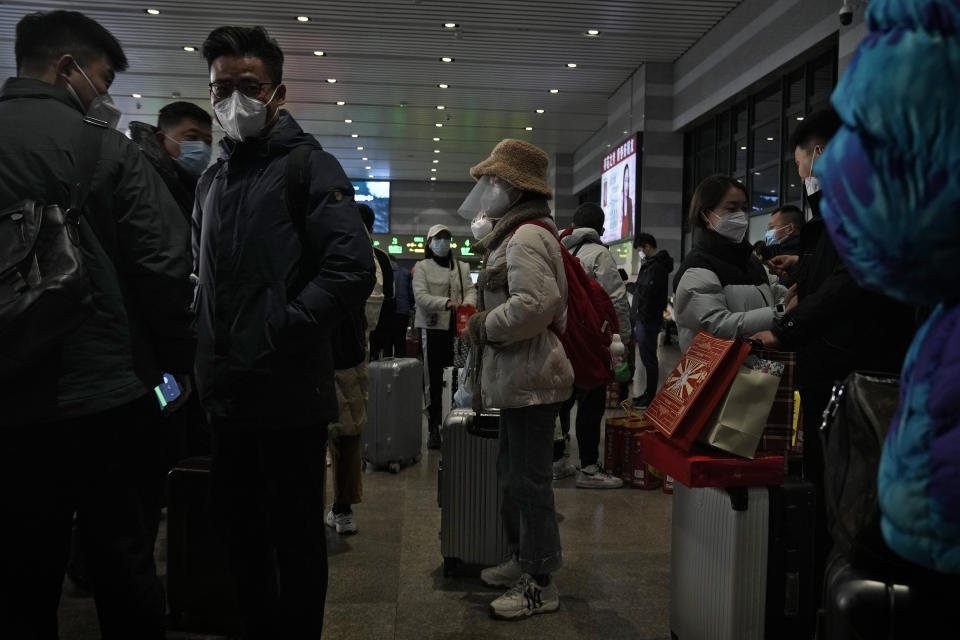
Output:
x,y
386,57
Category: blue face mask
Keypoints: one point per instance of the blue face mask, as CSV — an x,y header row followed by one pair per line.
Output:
x,y
770,237
440,247
194,155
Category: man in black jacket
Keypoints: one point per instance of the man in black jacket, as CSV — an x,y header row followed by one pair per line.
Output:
x,y
80,431
272,284
178,148
649,303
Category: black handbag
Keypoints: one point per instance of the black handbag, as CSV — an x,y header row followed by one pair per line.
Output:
x,y
45,292
855,425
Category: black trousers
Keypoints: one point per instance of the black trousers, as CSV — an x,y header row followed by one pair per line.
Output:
x,y
591,404
109,468
814,399
437,354
267,499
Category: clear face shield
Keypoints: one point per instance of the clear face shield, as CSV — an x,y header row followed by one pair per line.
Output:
x,y
489,200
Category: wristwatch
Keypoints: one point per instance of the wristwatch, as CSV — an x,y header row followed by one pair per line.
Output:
x,y
779,310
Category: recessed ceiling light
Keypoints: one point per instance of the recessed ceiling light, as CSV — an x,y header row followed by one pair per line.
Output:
x,y
436,162
189,48
331,80
365,159
571,65
135,95
450,25
348,121
153,12
443,85
756,173
743,148
436,139
593,32
340,103
368,167
436,150
799,117
539,110
433,179
303,19
318,53
528,128
371,175
625,132
359,148
434,170
769,139
554,90
446,59
439,124
441,107
354,135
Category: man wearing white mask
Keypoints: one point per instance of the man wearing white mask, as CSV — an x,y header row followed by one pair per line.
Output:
x,y
440,284
278,269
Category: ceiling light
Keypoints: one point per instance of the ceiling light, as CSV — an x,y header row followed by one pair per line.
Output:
x,y
433,179
348,121
441,107
371,175
189,49
303,19
340,103
446,59
368,167
359,148
539,110
331,80
439,124
354,135
436,150
450,25
135,95
571,65
433,170
153,12
593,33
318,53
365,159
799,117
443,85
756,173
436,139
436,162
528,128
743,148
554,90
769,139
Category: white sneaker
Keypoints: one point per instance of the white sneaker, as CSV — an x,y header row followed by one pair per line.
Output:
x,y
504,574
342,522
593,477
526,598
563,468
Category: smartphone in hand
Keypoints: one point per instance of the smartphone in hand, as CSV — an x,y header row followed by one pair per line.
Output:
x,y
167,391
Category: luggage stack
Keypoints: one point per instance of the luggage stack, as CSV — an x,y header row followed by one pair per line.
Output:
x,y
394,432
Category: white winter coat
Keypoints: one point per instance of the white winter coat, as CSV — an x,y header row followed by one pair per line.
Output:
x,y
434,284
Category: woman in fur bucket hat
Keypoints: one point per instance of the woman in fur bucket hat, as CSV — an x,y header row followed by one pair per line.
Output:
x,y
522,367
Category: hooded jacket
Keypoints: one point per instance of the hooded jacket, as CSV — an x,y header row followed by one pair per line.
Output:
x,y
261,355
181,184
523,288
595,258
723,289
652,290
136,250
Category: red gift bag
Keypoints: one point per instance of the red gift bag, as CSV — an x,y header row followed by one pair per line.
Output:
x,y
695,387
464,311
704,467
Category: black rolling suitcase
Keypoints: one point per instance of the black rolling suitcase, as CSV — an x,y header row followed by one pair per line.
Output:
x,y
199,587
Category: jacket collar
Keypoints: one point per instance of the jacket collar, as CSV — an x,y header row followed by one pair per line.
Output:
x,y
581,235
713,243
524,211
32,88
282,137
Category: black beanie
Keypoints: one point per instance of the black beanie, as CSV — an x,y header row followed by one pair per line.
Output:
x,y
589,214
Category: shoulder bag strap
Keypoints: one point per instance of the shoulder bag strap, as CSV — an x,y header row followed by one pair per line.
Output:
x,y
297,197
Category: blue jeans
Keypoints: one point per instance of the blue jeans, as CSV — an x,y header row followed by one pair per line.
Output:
x,y
525,466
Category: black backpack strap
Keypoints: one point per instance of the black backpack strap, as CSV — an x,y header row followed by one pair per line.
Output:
x,y
91,139
298,200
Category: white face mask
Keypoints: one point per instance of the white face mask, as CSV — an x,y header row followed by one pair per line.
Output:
x,y
242,117
732,226
101,107
440,247
811,184
481,226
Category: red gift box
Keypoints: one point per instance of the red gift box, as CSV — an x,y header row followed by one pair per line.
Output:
x,y
704,467
695,387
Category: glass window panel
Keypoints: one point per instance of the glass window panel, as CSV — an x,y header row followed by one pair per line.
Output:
x,y
723,158
723,126
795,89
705,165
766,143
821,76
766,106
739,156
740,118
766,188
706,136
792,184
793,121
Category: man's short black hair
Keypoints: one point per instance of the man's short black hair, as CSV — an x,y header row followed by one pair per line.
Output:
x,y
42,37
590,215
176,112
816,128
790,214
644,238
245,42
366,212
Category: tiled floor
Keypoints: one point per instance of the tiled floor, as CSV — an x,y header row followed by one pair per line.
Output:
x,y
387,581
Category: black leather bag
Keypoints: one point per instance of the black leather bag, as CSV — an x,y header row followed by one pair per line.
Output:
x,y
855,425
45,293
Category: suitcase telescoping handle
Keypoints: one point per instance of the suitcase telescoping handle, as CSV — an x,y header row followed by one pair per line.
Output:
x,y
484,425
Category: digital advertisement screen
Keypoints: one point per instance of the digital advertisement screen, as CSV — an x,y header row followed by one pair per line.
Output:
x,y
618,191
375,193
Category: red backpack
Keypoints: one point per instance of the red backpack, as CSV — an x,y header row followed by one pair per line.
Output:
x,y
591,322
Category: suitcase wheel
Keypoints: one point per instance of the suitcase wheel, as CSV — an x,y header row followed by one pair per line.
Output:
x,y
394,467
450,566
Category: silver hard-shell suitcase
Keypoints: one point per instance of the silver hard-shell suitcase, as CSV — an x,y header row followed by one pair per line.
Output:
x,y
450,376
394,429
469,491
